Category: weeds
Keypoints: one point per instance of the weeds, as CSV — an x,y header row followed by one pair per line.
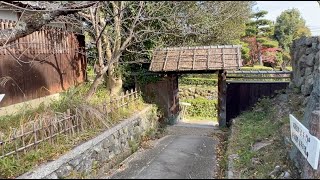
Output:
x,y
262,123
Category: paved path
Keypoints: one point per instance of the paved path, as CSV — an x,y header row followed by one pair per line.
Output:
x,y
187,152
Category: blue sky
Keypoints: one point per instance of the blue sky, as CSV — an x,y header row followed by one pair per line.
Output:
x,y
310,11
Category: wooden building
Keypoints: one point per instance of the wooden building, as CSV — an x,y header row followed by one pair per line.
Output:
x,y
45,62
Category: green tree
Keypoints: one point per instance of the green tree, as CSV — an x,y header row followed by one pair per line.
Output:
x,y
290,26
260,29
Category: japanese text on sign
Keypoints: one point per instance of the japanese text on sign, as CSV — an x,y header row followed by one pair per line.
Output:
x,y
308,145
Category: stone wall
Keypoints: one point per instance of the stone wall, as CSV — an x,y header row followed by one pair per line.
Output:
x,y
306,81
103,149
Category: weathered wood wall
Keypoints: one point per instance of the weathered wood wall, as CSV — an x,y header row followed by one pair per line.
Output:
x,y
40,64
243,95
165,94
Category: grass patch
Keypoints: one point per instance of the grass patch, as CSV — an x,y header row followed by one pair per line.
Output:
x,y
262,123
199,81
200,118
69,99
202,87
262,68
201,107
256,68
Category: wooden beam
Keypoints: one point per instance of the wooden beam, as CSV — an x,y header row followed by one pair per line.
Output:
x,y
165,61
257,77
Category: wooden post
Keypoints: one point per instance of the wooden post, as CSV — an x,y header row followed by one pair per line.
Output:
x,y
77,122
23,139
122,100
15,141
2,143
51,132
128,98
35,135
222,96
135,81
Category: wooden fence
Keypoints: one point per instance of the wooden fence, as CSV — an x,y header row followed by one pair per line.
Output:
x,y
44,62
30,135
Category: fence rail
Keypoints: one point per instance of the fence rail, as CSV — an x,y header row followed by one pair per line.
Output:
x,y
33,133
263,76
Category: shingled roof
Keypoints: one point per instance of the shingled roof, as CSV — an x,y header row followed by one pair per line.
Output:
x,y
196,58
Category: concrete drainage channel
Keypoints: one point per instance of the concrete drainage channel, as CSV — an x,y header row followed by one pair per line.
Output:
x,y
107,149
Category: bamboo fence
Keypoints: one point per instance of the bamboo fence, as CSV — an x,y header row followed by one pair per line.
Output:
x,y
33,133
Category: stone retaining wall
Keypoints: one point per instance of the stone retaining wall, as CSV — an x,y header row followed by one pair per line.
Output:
x,y
100,150
306,80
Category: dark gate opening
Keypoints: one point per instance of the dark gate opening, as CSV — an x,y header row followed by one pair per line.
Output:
x,y
244,91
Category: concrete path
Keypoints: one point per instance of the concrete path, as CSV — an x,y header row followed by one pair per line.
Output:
x,y
187,152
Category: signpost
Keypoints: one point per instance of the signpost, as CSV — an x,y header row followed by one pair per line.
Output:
x,y
1,97
308,145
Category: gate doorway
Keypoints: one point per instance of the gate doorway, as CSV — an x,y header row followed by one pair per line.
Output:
x,y
237,90
205,59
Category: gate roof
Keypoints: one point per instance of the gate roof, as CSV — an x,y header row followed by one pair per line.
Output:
x,y
200,58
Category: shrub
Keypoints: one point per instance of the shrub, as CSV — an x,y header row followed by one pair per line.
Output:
x,y
201,107
198,81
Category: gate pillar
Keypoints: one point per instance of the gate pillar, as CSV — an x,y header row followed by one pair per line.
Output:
x,y
222,97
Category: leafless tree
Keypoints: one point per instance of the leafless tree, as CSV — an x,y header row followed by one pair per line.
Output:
x,y
115,26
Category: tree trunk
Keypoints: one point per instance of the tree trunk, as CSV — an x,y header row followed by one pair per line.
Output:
x,y
114,83
94,86
258,52
259,57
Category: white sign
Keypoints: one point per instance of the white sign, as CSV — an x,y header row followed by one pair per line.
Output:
x,y
1,97
308,145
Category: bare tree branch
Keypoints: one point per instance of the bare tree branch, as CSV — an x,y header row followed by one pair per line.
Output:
x,y
35,21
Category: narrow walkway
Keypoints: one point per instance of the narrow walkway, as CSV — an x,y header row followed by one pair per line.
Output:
x,y
187,152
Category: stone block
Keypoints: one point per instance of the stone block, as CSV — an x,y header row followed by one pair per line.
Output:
x,y
308,41
76,161
306,88
310,60
103,155
315,123
308,51
314,46
52,176
308,71
107,143
64,171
